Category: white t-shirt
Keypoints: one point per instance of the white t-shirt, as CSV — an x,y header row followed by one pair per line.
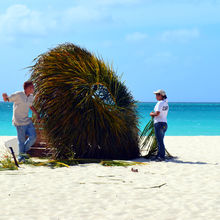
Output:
x,y
162,107
21,106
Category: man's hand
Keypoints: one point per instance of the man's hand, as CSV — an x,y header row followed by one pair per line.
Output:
x,y
152,114
5,97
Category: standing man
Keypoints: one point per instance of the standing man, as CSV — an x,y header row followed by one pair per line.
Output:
x,y
160,122
25,128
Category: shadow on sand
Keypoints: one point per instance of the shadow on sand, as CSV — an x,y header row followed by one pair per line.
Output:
x,y
176,160
172,160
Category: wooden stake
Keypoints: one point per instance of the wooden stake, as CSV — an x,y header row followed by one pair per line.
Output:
x,y
13,154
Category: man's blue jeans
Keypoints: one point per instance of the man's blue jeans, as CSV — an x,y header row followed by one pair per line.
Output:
x,y
24,131
160,129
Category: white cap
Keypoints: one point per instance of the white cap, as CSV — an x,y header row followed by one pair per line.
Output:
x,y
161,92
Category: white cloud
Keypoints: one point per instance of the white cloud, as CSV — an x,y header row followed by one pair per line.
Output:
x,y
82,14
161,58
136,36
97,11
117,2
20,20
180,35
102,11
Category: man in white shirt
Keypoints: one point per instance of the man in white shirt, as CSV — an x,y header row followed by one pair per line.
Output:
x,y
160,121
23,101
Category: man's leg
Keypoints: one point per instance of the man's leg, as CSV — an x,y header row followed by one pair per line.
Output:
x,y
160,129
21,141
31,133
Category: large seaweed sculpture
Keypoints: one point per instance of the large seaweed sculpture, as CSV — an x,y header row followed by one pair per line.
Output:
x,y
87,112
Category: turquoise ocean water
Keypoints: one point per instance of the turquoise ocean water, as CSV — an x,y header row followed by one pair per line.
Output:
x,y
184,119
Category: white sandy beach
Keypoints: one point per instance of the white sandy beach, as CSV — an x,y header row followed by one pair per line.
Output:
x,y
185,188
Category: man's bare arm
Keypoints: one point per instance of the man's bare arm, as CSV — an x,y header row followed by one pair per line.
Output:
x,y
153,114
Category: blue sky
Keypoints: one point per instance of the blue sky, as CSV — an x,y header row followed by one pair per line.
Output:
x,y
153,44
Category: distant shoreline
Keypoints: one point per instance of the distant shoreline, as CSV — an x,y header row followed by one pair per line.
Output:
x,y
207,102
182,102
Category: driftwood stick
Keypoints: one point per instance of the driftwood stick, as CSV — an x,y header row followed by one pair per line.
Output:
x,y
158,186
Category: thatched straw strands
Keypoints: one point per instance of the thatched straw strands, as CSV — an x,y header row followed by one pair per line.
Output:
x,y
148,141
87,111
